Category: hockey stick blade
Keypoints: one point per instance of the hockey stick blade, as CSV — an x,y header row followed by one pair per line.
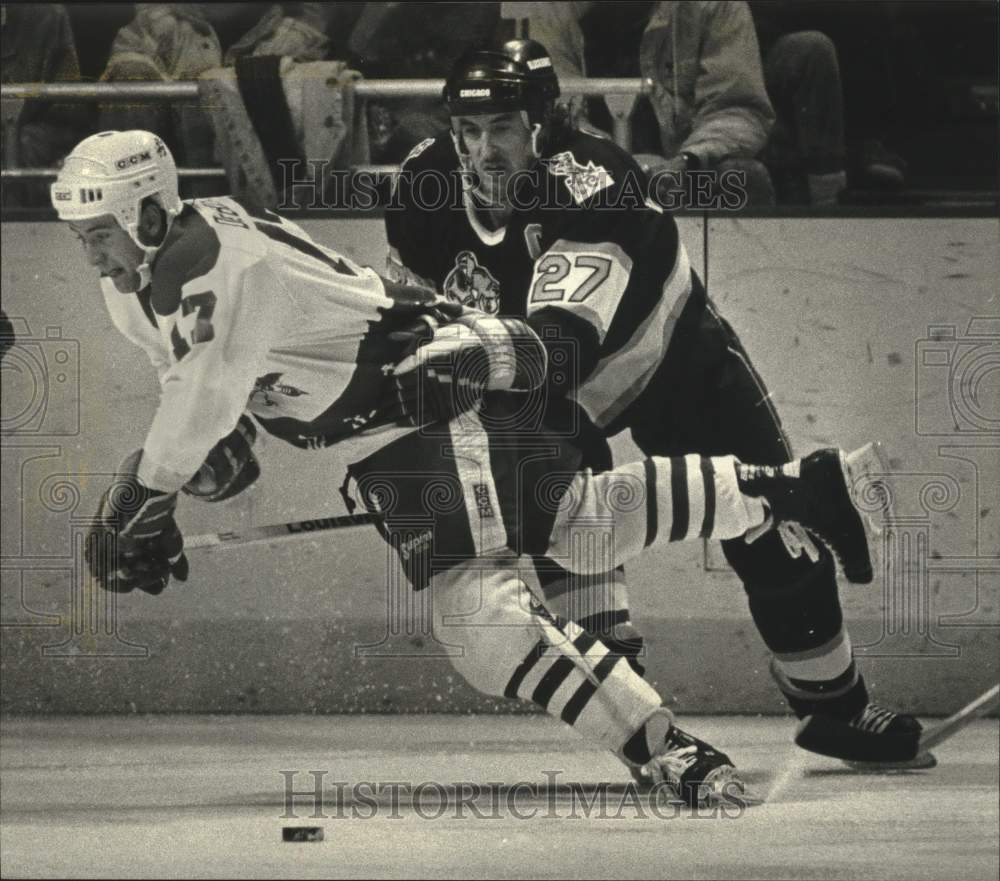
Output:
x,y
278,531
947,728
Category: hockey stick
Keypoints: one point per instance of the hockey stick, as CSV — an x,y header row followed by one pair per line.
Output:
x,y
936,734
278,531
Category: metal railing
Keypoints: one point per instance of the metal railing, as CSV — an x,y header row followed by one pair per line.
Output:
x,y
619,94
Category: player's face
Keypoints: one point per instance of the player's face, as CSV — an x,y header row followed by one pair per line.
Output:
x,y
499,146
110,250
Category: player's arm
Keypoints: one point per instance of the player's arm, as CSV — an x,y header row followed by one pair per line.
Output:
x,y
453,364
587,296
227,321
734,115
410,225
575,292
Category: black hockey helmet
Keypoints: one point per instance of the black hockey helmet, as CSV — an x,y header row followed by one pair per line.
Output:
x,y
517,75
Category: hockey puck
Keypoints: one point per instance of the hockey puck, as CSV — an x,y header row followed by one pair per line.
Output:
x,y
302,833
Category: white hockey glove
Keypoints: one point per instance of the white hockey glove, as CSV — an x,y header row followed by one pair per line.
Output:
x,y
450,372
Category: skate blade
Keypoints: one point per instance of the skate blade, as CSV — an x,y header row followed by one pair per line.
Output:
x,y
864,471
724,786
921,762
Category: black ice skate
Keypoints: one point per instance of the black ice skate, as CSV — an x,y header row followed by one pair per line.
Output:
x,y
875,739
818,493
699,774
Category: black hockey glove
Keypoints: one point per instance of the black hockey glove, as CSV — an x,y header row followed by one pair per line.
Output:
x,y
230,466
449,372
136,543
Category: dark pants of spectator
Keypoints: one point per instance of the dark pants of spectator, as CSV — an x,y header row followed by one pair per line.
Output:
x,y
759,188
803,81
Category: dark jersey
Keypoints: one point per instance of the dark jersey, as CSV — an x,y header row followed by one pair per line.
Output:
x,y
584,257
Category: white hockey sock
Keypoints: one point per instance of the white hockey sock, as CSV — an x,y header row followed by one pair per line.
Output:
x,y
609,518
574,677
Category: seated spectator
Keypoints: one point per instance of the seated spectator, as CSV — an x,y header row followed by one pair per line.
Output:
x,y
414,41
829,118
805,153
708,101
38,48
177,41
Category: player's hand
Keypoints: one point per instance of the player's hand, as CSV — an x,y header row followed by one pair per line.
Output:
x,y
136,542
230,466
449,373
425,325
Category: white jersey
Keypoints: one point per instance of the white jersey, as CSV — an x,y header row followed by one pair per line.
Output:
x,y
246,312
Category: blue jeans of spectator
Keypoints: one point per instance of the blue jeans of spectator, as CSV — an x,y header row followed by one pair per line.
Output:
x,y
802,76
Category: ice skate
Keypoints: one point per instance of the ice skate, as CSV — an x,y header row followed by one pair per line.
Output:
x,y
819,494
699,774
876,739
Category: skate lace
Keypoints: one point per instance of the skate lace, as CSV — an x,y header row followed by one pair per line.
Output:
x,y
874,719
671,763
797,540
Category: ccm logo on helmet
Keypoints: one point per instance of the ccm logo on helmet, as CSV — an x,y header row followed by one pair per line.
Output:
x,y
536,63
134,159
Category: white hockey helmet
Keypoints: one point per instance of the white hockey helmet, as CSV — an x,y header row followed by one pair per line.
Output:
x,y
111,173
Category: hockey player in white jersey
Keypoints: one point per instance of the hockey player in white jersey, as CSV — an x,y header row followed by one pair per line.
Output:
x,y
242,313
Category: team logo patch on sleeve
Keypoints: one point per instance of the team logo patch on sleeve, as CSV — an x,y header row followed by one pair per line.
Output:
x,y
582,181
472,285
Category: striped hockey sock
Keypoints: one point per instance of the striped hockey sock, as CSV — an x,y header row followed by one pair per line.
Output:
x,y
612,517
585,685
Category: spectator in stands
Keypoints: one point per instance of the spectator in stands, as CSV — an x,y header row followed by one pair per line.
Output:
x,y
177,41
166,42
414,41
38,48
708,98
829,119
805,153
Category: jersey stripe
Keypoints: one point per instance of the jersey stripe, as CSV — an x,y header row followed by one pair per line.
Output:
x,y
621,376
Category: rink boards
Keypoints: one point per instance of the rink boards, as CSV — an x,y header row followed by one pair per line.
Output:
x,y
862,328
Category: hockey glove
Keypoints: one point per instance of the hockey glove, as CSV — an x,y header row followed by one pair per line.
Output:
x,y
230,466
449,373
136,542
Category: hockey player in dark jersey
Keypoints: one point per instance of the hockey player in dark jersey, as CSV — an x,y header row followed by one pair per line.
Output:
x,y
249,322
559,219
